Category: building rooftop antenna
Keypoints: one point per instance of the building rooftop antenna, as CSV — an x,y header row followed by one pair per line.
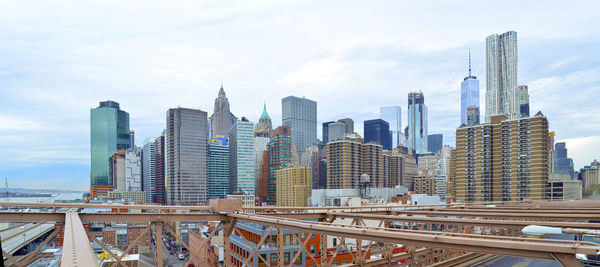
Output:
x,y
469,62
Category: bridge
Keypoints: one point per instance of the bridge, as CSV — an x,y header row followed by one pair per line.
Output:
x,y
432,235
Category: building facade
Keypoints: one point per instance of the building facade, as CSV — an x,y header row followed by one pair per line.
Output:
x,y
523,100
160,193
502,96
504,160
133,170
425,184
241,157
222,119
109,131
374,165
473,116
264,126
435,142
218,168
185,157
294,186
279,157
148,167
378,131
469,94
417,123
300,114
562,163
393,115
344,162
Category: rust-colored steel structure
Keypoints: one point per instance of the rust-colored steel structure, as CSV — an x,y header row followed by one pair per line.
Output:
x,y
432,235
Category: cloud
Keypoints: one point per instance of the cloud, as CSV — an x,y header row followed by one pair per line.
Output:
x,y
582,150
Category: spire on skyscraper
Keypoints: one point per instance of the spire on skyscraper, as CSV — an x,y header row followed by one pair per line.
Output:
x,y
469,63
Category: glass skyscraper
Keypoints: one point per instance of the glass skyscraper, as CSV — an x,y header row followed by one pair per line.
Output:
x,y
148,167
435,142
109,131
393,115
417,122
469,94
501,96
301,115
241,157
562,163
218,168
378,131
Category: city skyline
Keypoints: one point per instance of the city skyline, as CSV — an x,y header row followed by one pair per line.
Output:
x,y
48,95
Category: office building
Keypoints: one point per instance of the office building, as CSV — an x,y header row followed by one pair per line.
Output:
x,y
590,175
523,100
469,94
222,119
417,122
312,158
472,116
374,165
503,160
349,124
335,130
402,167
185,156
218,168
427,164
300,114
160,193
118,171
294,186
241,157
502,96
279,157
264,126
133,170
109,131
148,167
260,146
132,197
325,130
435,142
562,163
393,115
262,185
378,131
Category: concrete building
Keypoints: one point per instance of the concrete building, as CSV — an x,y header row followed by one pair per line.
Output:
x,y
300,114
260,146
132,197
435,142
393,115
403,167
335,130
294,185
160,193
469,95
503,160
148,167
118,171
427,164
222,119
425,184
279,157
185,156
349,124
561,187
241,157
373,164
133,170
344,162
346,197
218,168
109,132
417,123
378,131
312,158
590,175
502,96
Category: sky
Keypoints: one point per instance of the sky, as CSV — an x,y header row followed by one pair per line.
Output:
x,y
58,59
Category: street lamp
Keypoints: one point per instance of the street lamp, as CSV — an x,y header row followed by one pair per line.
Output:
x,y
539,231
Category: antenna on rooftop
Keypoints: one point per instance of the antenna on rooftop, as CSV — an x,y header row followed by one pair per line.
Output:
x,y
469,62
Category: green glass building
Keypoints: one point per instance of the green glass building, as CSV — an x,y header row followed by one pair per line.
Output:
x,y
109,132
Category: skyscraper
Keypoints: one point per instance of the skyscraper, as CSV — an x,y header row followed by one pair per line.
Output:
x,y
279,156
301,115
222,118
469,94
133,170
378,131
241,157
148,169
349,124
562,163
185,141
264,126
334,130
417,122
109,131
472,116
326,131
344,162
501,96
523,101
218,168
160,194
435,142
294,184
393,115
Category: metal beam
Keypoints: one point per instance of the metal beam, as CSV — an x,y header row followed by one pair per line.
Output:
x,y
111,217
77,250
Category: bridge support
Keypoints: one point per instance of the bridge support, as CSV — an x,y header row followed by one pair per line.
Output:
x,y
567,260
77,250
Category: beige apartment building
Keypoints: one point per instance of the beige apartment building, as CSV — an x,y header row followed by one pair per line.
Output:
x,y
503,160
425,184
293,186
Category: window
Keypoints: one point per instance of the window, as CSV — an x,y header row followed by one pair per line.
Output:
x,y
286,257
312,249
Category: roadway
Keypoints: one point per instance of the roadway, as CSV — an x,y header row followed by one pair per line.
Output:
x,y
13,240
502,261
